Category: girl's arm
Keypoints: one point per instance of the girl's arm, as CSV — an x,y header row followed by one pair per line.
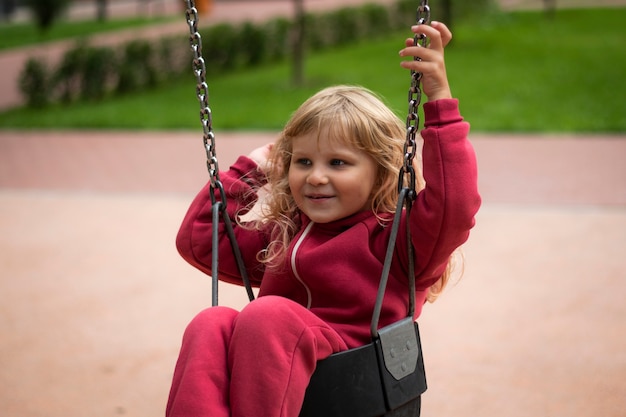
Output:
x,y
444,211
194,239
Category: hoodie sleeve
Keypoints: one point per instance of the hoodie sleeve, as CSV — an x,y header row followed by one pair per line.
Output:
x,y
444,210
194,239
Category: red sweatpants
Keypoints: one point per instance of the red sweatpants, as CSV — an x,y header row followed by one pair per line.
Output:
x,y
257,362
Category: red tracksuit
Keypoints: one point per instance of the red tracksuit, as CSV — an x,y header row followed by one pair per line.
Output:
x,y
258,362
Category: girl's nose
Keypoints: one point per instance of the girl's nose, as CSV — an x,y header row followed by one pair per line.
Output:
x,y
317,176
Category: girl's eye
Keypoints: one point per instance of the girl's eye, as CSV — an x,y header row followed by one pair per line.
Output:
x,y
303,161
337,162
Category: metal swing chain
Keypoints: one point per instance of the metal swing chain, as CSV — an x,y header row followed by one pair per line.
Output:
x,y
202,93
206,119
412,126
415,97
406,193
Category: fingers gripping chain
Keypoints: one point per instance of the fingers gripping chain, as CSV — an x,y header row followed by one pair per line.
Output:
x,y
415,97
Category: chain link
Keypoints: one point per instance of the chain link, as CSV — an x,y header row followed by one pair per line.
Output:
x,y
415,97
202,93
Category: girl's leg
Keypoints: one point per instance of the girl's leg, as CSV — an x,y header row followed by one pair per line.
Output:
x,y
273,352
200,386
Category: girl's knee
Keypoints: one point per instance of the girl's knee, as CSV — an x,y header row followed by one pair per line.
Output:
x,y
271,307
210,320
269,313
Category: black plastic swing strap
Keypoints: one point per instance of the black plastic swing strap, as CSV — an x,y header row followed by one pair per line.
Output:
x,y
219,207
215,241
404,199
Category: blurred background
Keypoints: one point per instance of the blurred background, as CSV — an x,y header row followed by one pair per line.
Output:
x,y
101,153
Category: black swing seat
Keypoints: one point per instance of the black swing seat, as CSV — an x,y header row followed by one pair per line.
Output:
x,y
383,378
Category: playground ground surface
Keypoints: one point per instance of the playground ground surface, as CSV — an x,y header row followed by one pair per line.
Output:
x,y
95,297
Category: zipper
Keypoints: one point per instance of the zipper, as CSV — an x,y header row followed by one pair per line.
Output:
x,y
293,263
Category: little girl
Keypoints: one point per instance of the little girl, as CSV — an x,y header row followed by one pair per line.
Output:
x,y
317,248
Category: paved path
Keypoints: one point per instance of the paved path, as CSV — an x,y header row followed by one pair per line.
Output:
x,y
515,169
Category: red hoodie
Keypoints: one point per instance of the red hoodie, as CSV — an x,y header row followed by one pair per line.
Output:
x,y
334,268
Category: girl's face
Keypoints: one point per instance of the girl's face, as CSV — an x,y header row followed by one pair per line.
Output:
x,y
330,180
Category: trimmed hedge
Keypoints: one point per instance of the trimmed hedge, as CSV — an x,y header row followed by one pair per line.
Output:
x,y
35,83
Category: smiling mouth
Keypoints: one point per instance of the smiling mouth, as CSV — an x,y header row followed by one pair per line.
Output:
x,y
319,197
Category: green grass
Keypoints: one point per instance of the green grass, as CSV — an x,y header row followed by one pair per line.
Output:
x,y
13,35
517,72
527,73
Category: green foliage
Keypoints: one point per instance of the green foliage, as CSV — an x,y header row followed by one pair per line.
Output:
x,y
375,20
173,59
220,45
345,24
66,79
462,10
85,73
278,33
253,42
317,30
136,70
402,14
97,72
457,12
34,83
46,11
91,73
